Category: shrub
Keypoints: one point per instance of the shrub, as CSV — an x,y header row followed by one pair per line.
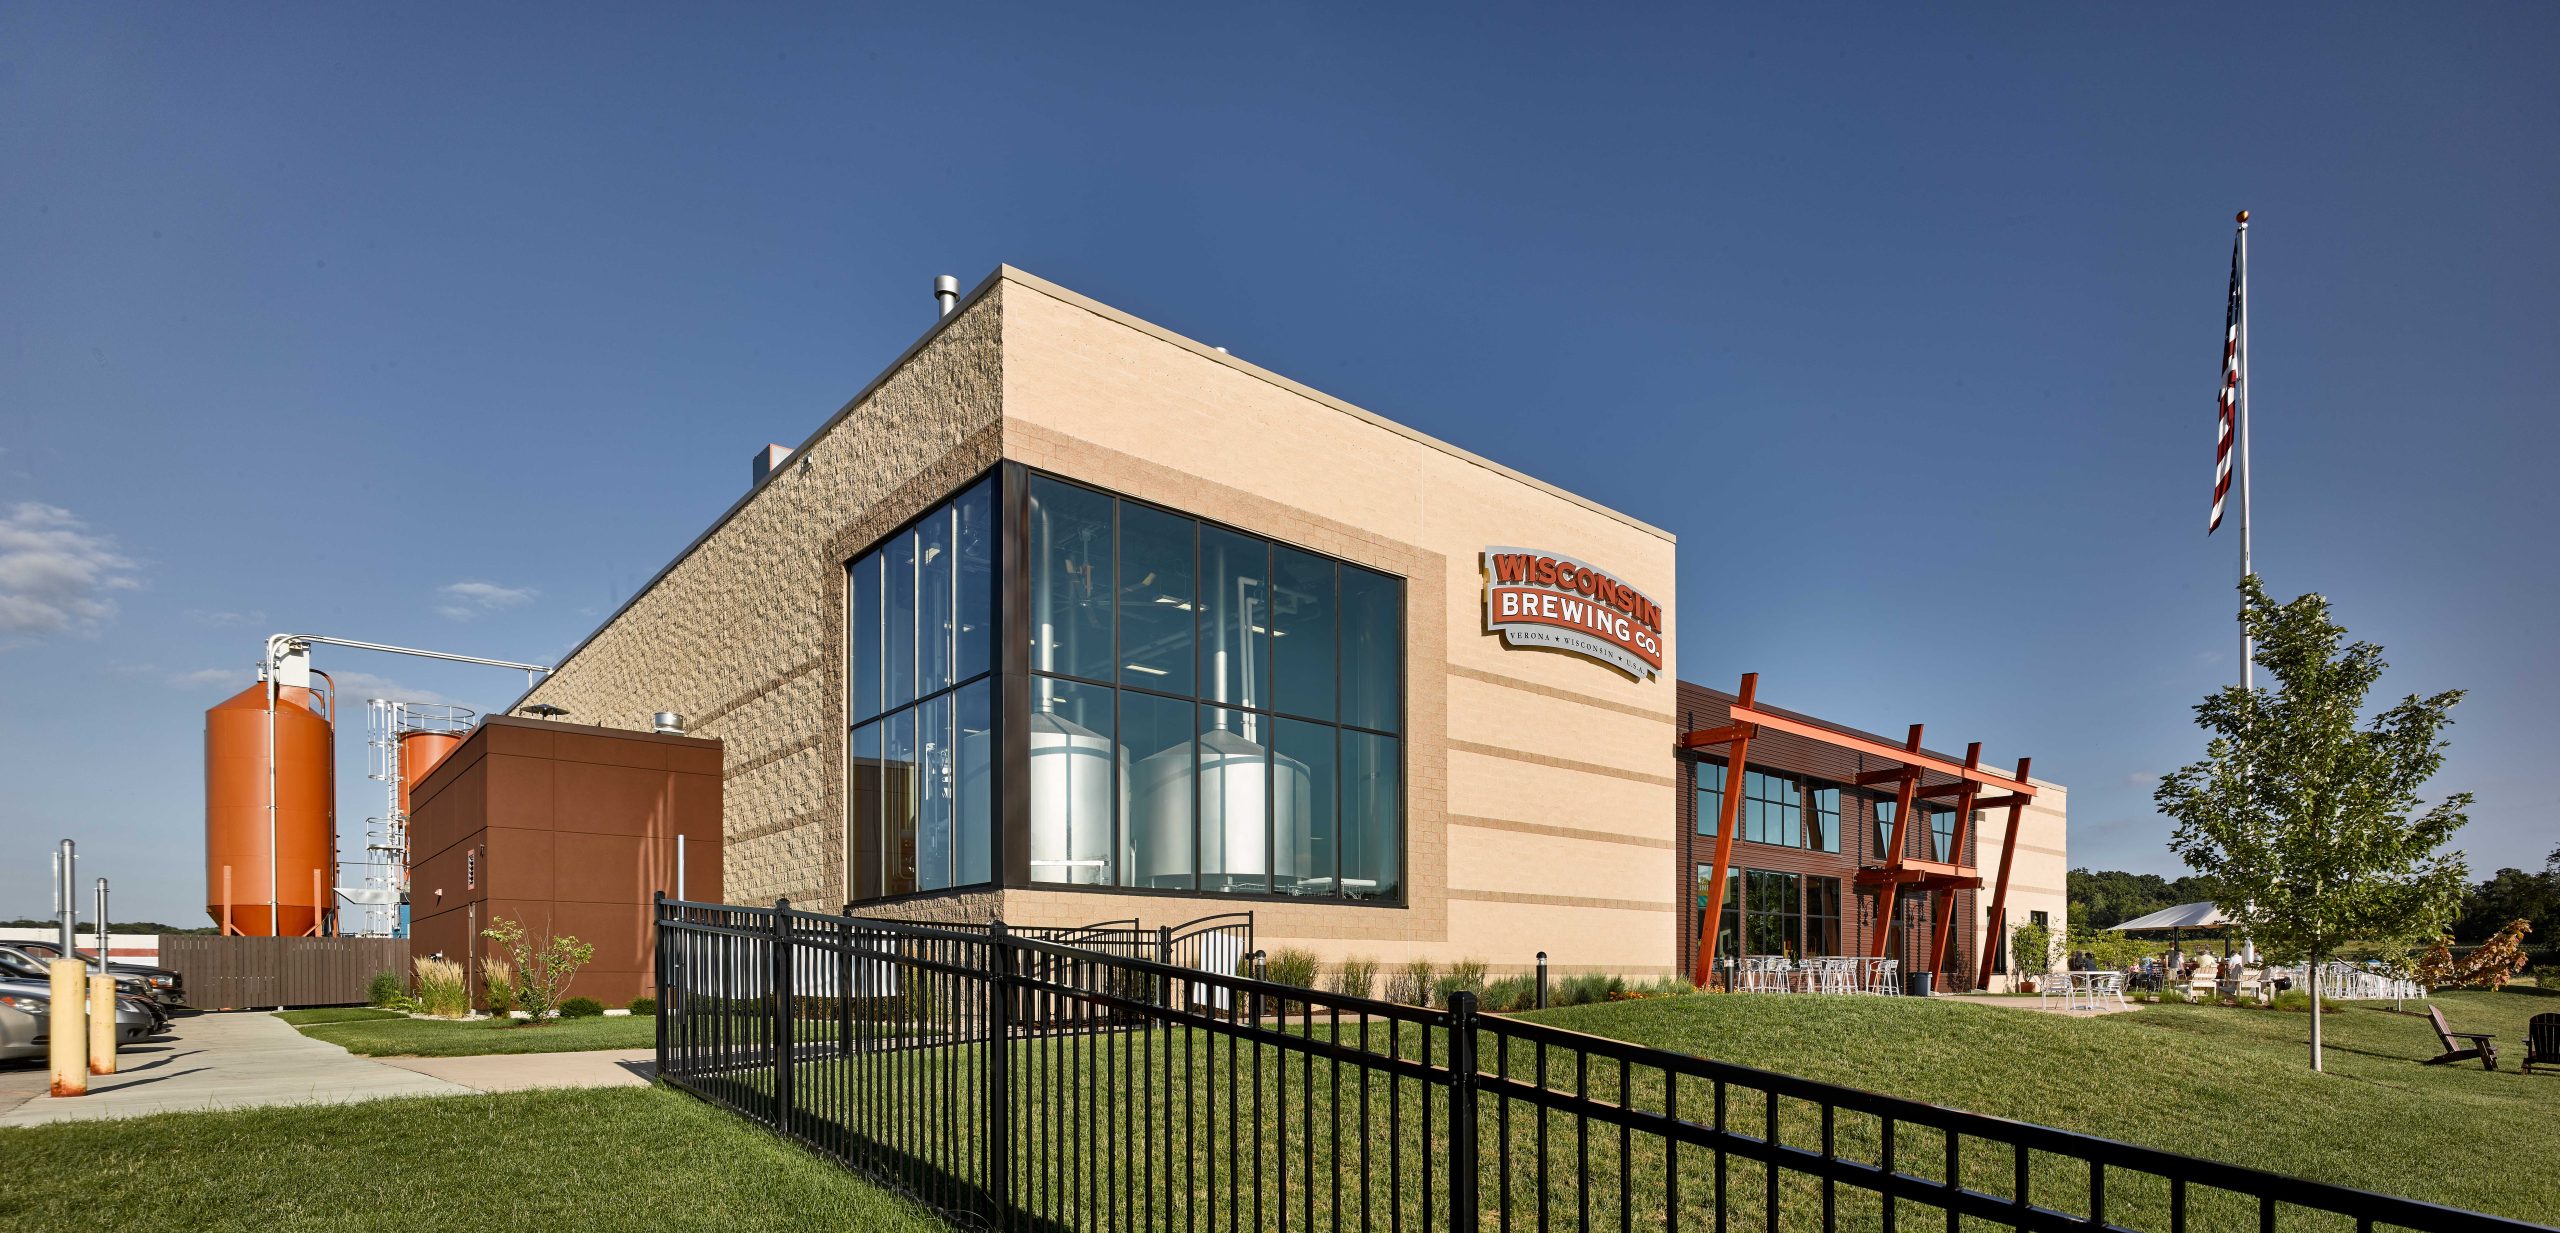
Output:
x,y
2298,1001
1509,994
1290,966
581,1008
1464,976
1356,977
1585,989
2031,950
384,989
542,967
443,990
1412,982
500,977
644,1006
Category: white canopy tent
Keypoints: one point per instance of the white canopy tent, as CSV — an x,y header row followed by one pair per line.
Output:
x,y
2177,920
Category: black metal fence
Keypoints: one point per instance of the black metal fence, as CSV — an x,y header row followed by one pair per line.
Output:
x,y
1012,1082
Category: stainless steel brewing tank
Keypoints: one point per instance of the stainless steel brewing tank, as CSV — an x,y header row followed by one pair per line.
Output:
x,y
1071,791
1232,774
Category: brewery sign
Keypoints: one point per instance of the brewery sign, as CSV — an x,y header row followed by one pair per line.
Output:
x,y
1554,602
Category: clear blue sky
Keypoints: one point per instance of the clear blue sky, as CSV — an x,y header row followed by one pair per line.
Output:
x,y
309,316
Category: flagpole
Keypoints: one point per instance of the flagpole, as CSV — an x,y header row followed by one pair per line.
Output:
x,y
2248,669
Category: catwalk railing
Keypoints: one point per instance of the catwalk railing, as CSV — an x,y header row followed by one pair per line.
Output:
x,y
1016,1083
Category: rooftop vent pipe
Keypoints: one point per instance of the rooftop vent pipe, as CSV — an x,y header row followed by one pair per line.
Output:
x,y
667,723
946,291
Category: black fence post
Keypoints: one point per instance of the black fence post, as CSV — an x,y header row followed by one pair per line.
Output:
x,y
1542,980
782,1016
658,966
844,984
1164,955
1000,1076
1462,1112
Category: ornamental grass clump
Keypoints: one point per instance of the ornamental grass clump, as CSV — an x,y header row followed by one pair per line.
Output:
x,y
1356,977
443,991
1464,976
1413,982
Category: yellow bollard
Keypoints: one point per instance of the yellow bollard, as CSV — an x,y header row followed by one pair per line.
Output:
x,y
67,1036
102,1024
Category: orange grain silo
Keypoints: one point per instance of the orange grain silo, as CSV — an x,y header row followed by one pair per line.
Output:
x,y
420,751
255,856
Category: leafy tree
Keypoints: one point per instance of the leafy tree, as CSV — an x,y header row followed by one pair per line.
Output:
x,y
2310,822
2508,895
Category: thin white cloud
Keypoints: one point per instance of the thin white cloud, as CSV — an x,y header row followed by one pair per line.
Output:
x,y
226,620
355,687
242,676
56,575
465,600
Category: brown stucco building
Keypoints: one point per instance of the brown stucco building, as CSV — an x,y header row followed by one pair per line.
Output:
x,y
1066,617
570,829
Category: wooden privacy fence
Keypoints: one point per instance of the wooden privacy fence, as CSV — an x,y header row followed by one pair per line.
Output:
x,y
232,973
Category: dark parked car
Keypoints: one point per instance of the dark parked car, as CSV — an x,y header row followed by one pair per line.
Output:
x,y
159,984
18,965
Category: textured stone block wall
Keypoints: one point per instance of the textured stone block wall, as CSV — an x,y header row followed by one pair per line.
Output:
x,y
743,635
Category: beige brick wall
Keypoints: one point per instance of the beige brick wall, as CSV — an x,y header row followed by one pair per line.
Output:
x,y
1528,771
2037,881
743,634
1539,785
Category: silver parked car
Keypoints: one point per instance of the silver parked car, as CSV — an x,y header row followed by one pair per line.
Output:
x,y
26,1016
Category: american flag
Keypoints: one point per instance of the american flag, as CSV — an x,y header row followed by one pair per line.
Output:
x,y
2229,418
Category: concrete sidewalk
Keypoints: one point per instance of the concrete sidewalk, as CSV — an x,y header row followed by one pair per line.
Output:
x,y
236,1060
516,1072
248,1059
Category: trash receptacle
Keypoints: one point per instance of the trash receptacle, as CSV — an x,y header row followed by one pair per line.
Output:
x,y
1916,984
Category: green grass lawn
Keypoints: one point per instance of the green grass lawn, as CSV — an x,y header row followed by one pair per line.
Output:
x,y
1114,1128
578,1159
2224,1083
385,1034
336,1014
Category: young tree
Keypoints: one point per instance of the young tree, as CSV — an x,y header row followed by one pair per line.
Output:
x,y
2306,815
541,967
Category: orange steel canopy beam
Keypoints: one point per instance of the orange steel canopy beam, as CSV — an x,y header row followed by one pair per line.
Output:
x,y
1909,764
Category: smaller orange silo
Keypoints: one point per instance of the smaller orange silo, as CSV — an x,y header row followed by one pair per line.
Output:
x,y
420,752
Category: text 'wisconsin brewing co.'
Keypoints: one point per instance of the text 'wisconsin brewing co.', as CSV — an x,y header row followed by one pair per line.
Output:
x,y
1540,599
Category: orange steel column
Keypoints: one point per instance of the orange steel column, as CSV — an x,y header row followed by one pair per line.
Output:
x,y
1902,800
1728,819
1998,929
1955,856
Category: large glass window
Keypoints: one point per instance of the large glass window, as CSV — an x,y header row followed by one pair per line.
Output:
x,y
1823,833
1942,833
1884,829
1255,699
1771,904
1729,929
1710,796
1822,916
1772,809
922,610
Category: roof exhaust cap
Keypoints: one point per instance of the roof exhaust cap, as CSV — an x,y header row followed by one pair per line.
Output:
x,y
667,723
769,460
946,291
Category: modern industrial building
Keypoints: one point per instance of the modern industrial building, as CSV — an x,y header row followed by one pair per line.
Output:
x,y
1066,618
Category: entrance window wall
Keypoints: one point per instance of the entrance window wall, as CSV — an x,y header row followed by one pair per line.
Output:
x,y
1211,711
921,611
